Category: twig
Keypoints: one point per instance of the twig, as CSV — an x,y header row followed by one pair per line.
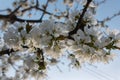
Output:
x,y
110,18
45,7
98,4
13,13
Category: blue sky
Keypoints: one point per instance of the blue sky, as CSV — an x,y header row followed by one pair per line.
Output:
x,y
96,71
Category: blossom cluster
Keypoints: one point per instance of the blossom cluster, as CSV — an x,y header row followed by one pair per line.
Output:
x,y
91,45
38,46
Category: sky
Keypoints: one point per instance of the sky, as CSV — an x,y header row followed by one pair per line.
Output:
x,y
96,71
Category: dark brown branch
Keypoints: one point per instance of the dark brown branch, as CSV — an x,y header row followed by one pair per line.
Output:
x,y
31,7
14,18
3,17
79,23
26,20
7,51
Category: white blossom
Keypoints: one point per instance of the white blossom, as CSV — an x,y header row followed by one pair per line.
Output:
x,y
11,37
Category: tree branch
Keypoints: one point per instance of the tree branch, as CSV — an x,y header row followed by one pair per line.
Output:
x,y
37,3
14,18
45,7
79,23
12,13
